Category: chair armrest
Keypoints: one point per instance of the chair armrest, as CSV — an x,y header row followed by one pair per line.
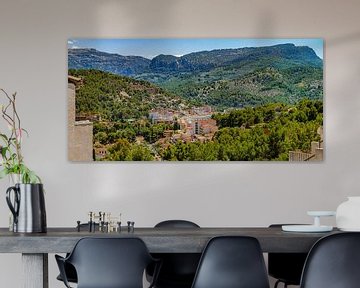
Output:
x,y
61,264
149,272
158,264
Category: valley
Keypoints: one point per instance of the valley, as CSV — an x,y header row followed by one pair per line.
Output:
x,y
241,104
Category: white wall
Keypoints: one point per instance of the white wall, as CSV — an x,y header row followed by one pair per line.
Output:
x,y
33,62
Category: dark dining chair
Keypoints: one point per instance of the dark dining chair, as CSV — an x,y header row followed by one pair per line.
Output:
x,y
232,262
108,263
333,262
286,267
70,271
178,269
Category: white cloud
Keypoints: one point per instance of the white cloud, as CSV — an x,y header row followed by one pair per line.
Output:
x,y
72,44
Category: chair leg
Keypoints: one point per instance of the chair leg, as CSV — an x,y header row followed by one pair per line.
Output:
x,y
278,282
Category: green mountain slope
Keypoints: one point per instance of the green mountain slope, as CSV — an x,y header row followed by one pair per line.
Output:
x,y
228,87
223,78
88,58
117,98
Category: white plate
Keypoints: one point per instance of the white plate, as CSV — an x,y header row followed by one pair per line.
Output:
x,y
306,228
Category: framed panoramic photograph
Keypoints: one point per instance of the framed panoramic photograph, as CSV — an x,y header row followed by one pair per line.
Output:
x,y
195,99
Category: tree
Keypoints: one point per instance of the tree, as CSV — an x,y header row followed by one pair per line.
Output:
x,y
139,153
101,137
120,151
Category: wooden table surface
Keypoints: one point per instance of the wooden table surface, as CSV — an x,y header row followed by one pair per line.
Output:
x,y
35,247
158,240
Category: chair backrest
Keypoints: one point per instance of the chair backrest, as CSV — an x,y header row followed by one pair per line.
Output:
x,y
176,224
110,262
178,269
232,262
333,262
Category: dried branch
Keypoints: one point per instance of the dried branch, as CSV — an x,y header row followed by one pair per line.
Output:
x,y
12,159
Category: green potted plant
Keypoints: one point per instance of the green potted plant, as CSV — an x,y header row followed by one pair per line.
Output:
x,y
25,197
11,159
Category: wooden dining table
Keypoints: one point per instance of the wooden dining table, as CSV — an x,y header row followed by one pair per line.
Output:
x,y
35,247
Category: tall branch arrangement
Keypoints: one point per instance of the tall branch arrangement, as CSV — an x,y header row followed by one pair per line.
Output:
x,y
11,159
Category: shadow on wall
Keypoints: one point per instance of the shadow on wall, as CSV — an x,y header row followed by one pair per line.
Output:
x,y
345,39
266,25
110,13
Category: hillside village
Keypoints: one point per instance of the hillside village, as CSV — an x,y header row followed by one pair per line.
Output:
x,y
192,125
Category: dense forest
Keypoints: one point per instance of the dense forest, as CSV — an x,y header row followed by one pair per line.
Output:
x,y
263,133
254,134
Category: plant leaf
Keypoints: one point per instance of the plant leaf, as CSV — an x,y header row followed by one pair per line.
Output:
x,y
26,132
3,173
5,138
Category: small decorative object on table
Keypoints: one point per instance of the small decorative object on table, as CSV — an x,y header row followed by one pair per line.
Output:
x,y
316,227
348,214
27,204
102,222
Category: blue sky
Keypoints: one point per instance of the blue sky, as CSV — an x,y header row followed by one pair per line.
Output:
x,y
150,48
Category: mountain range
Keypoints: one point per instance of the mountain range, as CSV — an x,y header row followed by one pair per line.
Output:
x,y
222,78
89,58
